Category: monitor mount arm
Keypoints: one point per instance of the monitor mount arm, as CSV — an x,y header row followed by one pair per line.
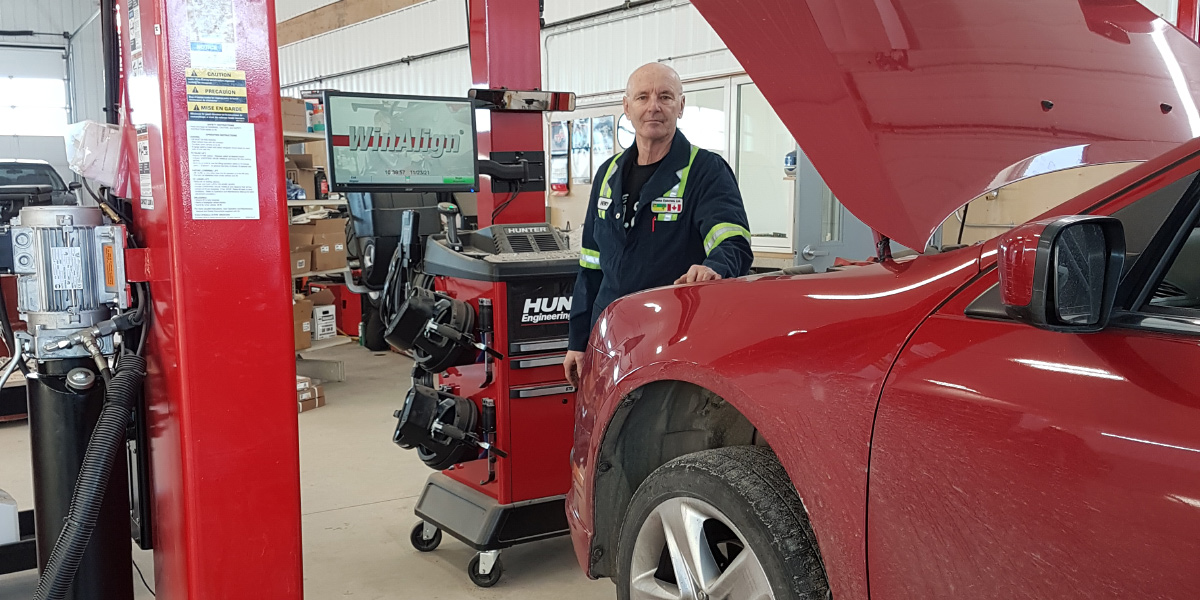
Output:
x,y
513,171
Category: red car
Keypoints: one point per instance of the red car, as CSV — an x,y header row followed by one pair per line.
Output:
x,y
1018,418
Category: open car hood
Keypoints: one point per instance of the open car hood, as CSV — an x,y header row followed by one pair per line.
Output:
x,y
911,108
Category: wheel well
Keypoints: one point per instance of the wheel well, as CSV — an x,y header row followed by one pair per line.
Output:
x,y
652,426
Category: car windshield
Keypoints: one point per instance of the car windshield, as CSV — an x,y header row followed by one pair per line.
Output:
x,y
29,174
996,212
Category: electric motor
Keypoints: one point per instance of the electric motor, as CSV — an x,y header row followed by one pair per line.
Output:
x,y
70,270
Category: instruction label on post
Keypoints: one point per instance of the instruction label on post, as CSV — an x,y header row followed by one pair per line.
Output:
x,y
223,170
145,185
217,95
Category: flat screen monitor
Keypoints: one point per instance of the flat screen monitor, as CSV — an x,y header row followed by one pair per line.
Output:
x,y
385,143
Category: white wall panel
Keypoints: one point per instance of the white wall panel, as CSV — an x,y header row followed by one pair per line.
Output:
x,y
45,16
418,29
87,73
287,9
442,75
554,11
350,58
1167,9
671,32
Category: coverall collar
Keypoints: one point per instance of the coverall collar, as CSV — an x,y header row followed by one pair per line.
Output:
x,y
664,178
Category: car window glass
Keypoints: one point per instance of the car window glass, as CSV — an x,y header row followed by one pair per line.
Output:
x,y
1143,219
31,175
1179,287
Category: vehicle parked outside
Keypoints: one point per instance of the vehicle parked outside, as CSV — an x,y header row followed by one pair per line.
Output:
x,y
25,172
1018,418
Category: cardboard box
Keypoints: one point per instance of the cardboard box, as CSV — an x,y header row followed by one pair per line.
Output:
x,y
329,254
321,297
329,239
312,393
301,260
299,169
295,114
303,383
299,236
308,405
311,398
319,227
348,306
324,323
302,317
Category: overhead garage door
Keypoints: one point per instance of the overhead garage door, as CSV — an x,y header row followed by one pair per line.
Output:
x,y
33,104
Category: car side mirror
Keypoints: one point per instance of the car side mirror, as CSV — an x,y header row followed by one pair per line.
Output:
x,y
74,186
1062,274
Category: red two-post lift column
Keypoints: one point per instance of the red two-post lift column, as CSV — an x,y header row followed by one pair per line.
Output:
x,y
203,85
506,43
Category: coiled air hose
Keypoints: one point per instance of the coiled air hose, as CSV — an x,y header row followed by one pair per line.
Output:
x,y
107,440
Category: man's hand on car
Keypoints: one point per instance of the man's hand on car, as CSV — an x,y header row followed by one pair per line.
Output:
x,y
572,366
698,273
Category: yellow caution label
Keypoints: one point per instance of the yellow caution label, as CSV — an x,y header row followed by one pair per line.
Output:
x,y
216,90
216,108
110,265
217,74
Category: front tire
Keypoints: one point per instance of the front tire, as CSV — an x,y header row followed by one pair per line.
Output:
x,y
723,524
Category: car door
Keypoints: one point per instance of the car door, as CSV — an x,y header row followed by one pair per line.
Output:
x,y
1013,462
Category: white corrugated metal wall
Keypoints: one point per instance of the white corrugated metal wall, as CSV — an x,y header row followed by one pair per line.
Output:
x,y
416,50
86,72
287,9
434,33
671,32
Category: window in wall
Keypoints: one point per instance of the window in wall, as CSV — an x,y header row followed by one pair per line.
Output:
x,y
33,106
704,119
762,143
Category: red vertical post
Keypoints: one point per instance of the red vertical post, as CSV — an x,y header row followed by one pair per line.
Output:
x,y
1189,19
220,390
506,52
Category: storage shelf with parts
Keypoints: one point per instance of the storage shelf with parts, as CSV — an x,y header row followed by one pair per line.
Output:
x,y
300,137
327,202
329,273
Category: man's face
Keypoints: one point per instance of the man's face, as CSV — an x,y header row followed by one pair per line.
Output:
x,y
654,104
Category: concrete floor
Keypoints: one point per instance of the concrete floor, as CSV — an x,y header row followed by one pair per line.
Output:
x,y
358,491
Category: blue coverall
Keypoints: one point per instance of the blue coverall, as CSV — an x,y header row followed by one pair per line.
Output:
x,y
688,213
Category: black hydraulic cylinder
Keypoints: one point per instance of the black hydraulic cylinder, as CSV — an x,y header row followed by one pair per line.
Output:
x,y
61,420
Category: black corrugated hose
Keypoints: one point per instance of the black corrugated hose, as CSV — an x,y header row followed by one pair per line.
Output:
x,y
107,440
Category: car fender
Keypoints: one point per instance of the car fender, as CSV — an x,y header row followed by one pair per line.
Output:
x,y
803,358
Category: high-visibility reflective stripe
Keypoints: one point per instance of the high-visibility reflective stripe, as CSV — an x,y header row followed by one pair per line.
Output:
x,y
721,232
605,188
677,191
589,259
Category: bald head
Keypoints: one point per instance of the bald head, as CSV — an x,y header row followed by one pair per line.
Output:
x,y
654,74
654,103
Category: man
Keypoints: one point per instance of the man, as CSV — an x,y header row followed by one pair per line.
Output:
x,y
662,212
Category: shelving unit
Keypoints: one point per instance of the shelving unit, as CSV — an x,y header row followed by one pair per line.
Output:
x,y
321,273
299,203
300,137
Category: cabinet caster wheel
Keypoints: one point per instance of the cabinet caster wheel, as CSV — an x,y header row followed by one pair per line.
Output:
x,y
421,542
481,580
